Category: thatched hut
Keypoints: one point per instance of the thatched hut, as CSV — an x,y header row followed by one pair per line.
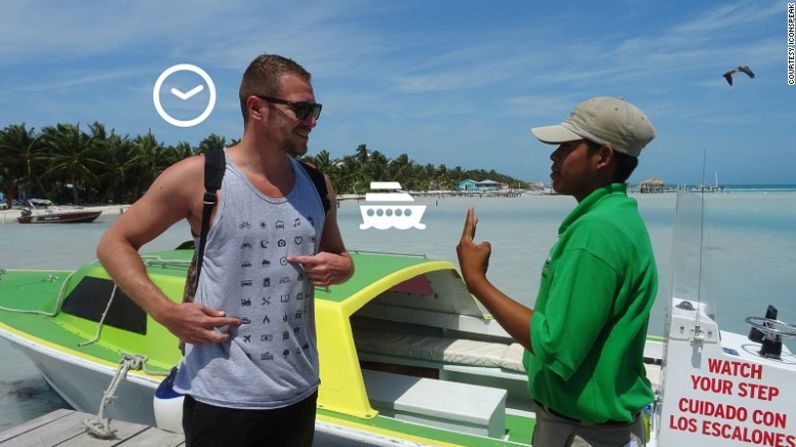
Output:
x,y
653,184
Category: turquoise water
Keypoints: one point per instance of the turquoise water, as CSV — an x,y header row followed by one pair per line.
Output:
x,y
750,254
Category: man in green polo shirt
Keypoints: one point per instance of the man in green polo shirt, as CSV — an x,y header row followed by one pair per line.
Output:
x,y
585,339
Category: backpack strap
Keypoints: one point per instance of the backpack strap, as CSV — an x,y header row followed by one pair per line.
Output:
x,y
320,184
215,165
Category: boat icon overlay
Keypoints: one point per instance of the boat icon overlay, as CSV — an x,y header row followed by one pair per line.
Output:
x,y
396,215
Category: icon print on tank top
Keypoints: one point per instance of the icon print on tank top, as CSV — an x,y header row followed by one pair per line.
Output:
x,y
291,308
295,309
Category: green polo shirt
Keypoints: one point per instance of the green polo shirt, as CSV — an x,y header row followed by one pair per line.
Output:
x,y
590,322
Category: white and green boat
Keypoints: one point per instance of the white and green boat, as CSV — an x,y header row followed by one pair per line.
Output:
x,y
407,357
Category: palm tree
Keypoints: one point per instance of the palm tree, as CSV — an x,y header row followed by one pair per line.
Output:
x,y
183,150
377,168
24,155
150,159
362,154
118,167
6,176
210,143
324,162
73,156
97,130
400,170
350,178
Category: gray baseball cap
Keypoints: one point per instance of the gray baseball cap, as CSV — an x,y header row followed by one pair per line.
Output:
x,y
605,120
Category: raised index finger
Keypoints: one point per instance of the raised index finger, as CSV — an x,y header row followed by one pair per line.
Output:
x,y
468,232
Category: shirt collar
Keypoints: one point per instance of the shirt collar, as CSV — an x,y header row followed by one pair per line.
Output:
x,y
590,202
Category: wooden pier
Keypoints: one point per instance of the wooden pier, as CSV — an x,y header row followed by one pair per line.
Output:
x,y
64,428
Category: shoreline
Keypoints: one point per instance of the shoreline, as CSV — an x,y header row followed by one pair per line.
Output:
x,y
10,216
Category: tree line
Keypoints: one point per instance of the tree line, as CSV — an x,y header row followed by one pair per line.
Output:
x,y
74,164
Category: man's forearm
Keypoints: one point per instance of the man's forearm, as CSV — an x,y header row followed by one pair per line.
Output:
x,y
124,265
512,316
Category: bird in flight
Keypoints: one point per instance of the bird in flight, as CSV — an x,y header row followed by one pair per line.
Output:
x,y
742,69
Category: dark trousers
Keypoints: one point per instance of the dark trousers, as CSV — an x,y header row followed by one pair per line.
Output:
x,y
210,426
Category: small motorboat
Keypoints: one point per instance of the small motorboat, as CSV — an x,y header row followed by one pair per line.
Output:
x,y
43,211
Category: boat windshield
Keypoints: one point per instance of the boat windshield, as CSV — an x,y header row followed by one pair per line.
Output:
x,y
39,203
691,253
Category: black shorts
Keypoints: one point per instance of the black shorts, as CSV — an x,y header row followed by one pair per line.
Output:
x,y
211,426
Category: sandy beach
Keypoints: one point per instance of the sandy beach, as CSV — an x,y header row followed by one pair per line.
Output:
x,y
10,216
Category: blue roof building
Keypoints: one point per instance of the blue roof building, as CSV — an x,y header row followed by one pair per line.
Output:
x,y
479,186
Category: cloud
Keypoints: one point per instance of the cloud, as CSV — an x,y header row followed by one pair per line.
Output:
x,y
77,81
729,19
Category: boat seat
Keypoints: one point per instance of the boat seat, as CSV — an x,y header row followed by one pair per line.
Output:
x,y
454,355
440,349
453,406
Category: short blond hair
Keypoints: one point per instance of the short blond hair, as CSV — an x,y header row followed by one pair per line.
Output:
x,y
263,76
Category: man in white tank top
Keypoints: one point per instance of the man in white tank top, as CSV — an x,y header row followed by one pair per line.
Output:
x,y
279,112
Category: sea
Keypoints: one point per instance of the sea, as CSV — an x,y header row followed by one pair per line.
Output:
x,y
749,258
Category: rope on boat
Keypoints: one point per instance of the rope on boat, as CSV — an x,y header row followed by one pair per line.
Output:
x,y
96,338
100,426
148,260
59,300
164,263
102,319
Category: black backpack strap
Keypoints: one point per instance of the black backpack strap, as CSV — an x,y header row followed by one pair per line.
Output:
x,y
215,165
319,181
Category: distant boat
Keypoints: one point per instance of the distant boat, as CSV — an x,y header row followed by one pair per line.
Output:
x,y
706,187
43,211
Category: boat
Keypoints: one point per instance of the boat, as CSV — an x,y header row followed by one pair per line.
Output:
x,y
407,357
718,388
43,211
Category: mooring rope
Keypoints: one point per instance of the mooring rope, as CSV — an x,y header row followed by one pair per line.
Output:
x,y
100,426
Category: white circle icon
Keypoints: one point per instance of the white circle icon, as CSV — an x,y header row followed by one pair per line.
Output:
x,y
211,103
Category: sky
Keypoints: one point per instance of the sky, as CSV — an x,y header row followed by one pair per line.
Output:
x,y
446,82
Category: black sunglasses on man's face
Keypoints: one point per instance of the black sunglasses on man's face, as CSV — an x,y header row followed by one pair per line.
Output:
x,y
302,109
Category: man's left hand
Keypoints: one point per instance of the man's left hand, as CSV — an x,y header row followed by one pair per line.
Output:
x,y
324,268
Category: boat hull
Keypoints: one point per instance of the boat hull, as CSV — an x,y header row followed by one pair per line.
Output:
x,y
72,217
81,384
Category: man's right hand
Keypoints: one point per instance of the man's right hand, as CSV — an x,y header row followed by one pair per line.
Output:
x,y
473,257
196,324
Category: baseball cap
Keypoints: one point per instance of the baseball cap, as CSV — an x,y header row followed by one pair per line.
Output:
x,y
605,120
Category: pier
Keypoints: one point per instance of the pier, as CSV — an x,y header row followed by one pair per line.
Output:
x,y
64,428
504,193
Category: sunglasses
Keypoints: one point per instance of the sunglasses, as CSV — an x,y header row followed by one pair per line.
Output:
x,y
303,110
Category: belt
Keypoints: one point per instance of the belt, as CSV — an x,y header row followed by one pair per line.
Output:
x,y
578,421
